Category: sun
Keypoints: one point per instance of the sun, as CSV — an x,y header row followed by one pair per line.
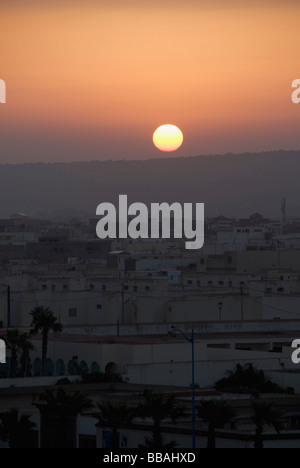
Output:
x,y
168,138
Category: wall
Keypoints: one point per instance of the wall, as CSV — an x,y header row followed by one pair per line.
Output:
x,y
252,262
142,329
206,373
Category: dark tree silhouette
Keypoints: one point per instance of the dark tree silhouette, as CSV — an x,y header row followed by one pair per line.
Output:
x,y
247,379
20,347
114,416
159,408
59,417
216,413
25,347
264,413
44,321
16,429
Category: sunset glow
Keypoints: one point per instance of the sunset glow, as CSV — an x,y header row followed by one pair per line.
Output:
x,y
80,73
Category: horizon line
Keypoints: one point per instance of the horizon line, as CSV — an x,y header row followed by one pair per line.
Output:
x,y
253,153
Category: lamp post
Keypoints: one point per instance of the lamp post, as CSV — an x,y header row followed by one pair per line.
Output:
x,y
8,303
220,305
191,340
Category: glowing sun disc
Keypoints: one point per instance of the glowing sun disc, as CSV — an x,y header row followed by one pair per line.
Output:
x,y
168,138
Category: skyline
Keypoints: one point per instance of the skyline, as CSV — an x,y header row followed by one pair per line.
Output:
x,y
94,81
149,226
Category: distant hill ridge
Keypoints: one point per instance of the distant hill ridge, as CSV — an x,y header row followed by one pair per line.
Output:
x,y
231,184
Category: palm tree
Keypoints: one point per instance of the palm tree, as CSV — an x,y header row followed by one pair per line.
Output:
x,y
76,401
18,343
43,320
16,429
114,416
264,413
159,407
59,417
12,341
25,347
216,413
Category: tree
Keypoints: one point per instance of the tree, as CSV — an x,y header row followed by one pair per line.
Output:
x,y
16,429
247,379
264,413
18,344
114,416
12,342
159,407
44,321
59,417
216,413
25,347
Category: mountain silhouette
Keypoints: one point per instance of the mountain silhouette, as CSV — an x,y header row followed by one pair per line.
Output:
x,y
231,184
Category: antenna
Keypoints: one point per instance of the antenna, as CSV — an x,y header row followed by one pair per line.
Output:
x,y
283,209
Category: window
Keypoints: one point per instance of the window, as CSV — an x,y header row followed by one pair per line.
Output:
x,y
198,284
135,289
269,290
44,287
104,288
72,312
126,288
65,287
99,307
190,282
147,288
242,283
53,287
92,286
221,283
229,260
210,283
60,367
202,261
95,369
280,290
230,284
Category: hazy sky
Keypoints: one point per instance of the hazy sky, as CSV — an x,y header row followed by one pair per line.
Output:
x,y
92,79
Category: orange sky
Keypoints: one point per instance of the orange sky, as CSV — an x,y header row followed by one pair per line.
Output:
x,y
93,79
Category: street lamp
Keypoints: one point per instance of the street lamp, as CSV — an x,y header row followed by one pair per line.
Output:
x,y
191,340
8,303
220,305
